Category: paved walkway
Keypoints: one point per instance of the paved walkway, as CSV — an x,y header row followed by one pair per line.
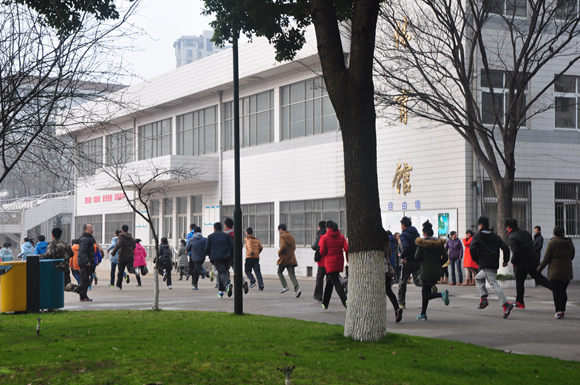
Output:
x,y
530,331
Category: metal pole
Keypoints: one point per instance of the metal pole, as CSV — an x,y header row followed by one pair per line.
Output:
x,y
238,301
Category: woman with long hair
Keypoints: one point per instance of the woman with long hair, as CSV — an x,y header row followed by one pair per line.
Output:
x,y
468,263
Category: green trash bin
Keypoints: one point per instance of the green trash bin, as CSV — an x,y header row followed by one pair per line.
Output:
x,y
51,285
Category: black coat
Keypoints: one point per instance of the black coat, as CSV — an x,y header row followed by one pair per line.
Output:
x,y
485,248
219,245
523,254
86,249
538,244
408,237
165,257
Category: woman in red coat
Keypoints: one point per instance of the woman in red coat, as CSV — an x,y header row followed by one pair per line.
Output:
x,y
468,263
332,246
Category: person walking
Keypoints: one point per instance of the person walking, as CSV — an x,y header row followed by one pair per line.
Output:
x,y
139,261
41,245
196,249
114,258
333,247
253,250
287,260
558,257
126,247
390,273
455,252
86,255
485,248
165,262
394,239
220,248
410,266
431,254
321,271
57,249
468,263
6,254
25,249
182,261
538,241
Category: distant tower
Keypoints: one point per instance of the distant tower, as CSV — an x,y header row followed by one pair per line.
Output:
x,y
191,48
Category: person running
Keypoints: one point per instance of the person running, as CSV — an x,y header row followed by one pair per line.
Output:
x,y
321,271
220,248
41,246
6,254
558,256
333,247
58,249
455,252
26,249
389,275
165,262
114,259
125,246
196,249
431,254
229,223
485,248
253,250
182,261
139,261
468,263
287,260
74,261
410,267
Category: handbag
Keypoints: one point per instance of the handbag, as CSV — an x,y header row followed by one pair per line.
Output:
x,y
391,272
144,270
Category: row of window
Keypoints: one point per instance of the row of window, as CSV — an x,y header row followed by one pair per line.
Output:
x,y
564,9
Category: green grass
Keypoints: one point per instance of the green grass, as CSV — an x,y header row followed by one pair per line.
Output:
x,y
188,347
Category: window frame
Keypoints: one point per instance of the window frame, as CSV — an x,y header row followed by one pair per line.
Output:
x,y
89,161
562,92
250,116
198,132
501,92
490,203
566,204
252,212
122,152
160,131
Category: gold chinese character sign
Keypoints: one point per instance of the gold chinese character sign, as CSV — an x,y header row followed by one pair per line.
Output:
x,y
403,174
402,100
401,35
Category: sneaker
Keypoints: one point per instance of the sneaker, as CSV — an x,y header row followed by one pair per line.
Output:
x,y
220,294
164,276
445,297
434,289
118,288
319,300
402,305
229,288
96,279
211,276
187,277
246,288
284,290
261,288
559,315
180,279
89,288
253,285
345,303
398,315
111,285
127,278
86,299
138,285
324,306
169,287
422,317
194,287
507,309
298,292
217,286
482,303
520,305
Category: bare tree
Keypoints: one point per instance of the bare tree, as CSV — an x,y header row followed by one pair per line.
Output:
x,y
468,65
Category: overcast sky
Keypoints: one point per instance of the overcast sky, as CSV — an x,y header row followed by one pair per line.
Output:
x,y
165,21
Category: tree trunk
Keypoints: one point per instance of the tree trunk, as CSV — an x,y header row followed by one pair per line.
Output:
x,y
366,314
155,288
504,191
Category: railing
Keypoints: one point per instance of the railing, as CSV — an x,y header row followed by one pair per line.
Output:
x,y
21,204
10,217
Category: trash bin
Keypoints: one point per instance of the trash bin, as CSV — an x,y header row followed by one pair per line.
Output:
x,y
51,285
13,287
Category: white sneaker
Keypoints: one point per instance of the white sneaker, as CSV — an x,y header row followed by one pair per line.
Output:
x,y
169,287
284,290
298,292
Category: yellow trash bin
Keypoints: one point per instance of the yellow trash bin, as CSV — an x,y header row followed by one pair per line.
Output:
x,y
13,287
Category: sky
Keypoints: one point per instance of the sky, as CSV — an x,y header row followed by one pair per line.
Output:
x,y
163,22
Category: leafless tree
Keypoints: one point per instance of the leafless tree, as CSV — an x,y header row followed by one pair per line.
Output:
x,y
441,61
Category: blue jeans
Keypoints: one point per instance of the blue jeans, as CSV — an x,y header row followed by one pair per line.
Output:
x,y
254,263
458,263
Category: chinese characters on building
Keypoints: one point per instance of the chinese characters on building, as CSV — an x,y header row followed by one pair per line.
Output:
x,y
403,176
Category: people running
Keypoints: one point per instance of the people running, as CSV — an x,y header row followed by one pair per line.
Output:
x,y
558,257
125,246
165,262
455,252
333,248
220,248
410,267
196,249
390,273
253,250
431,254
524,259
182,261
40,247
139,261
321,271
287,260
485,248
468,264
26,249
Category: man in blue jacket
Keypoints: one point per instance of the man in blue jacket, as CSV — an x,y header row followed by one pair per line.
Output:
x,y
410,266
220,248
196,250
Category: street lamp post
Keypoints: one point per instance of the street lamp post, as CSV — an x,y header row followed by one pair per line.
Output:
x,y
238,301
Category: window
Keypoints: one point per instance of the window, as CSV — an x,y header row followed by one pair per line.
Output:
x,y
95,220
188,42
197,132
507,7
259,216
154,214
182,222
566,94
168,218
566,10
567,215
90,156
302,217
493,107
120,148
521,201
256,120
116,221
209,45
305,110
155,139
196,211
189,52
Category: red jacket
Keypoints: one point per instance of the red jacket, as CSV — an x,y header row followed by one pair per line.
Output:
x,y
332,245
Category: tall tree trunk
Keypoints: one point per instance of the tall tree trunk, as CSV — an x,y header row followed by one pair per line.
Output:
x,y
504,191
155,288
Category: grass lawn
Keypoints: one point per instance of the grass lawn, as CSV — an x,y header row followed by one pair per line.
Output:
x,y
188,347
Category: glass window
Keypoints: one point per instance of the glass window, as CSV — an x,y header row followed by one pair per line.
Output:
x,y
95,220
120,148
197,132
90,156
305,109
256,120
259,216
566,9
507,7
521,204
567,214
302,217
566,98
155,139
168,218
495,106
114,222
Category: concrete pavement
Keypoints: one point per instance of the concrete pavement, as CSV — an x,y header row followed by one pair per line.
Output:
x,y
530,331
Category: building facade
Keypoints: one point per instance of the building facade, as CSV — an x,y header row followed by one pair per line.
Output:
x,y
191,48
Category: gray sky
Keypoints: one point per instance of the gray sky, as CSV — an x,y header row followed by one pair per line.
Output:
x,y
165,21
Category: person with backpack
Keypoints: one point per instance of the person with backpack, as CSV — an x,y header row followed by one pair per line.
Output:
x,y
165,262
182,261
321,271
196,249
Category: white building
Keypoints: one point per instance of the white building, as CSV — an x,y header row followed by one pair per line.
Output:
x,y
191,48
292,159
